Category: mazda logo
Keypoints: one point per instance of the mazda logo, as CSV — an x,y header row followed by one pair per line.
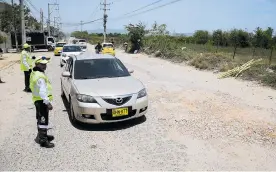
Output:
x,y
119,100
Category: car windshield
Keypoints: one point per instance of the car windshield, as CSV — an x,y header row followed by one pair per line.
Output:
x,y
71,49
51,40
60,44
99,68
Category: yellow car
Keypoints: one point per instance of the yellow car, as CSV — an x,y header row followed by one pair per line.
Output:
x,y
108,48
58,48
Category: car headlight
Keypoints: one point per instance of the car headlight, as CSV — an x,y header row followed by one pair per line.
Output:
x,y
85,98
142,93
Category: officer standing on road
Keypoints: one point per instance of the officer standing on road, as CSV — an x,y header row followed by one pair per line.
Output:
x,y
26,65
42,97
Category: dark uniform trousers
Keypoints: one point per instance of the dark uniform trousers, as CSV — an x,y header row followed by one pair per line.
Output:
x,y
42,116
27,79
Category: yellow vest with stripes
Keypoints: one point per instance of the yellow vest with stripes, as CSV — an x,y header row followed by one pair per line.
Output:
x,y
29,61
35,76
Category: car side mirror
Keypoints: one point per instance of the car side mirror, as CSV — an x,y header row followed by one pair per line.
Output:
x,y
130,71
66,74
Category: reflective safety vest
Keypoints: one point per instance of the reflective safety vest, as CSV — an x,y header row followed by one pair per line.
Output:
x,y
29,61
35,76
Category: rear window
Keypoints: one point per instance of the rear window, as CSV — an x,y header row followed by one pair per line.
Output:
x,y
107,45
71,49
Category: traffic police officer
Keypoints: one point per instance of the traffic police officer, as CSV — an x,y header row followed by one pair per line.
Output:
x,y
26,65
42,96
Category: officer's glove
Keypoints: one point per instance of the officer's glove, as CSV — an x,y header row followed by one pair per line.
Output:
x,y
33,57
30,70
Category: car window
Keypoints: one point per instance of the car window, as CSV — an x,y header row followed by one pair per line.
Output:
x,y
99,68
51,40
70,65
108,46
82,41
66,67
71,49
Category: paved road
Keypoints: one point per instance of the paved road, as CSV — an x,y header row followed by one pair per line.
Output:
x,y
195,122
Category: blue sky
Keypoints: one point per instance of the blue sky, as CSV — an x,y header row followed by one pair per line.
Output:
x,y
185,16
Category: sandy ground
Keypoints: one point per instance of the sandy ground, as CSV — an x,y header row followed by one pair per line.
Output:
x,y
195,122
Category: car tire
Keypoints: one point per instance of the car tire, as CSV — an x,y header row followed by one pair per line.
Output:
x,y
73,119
141,119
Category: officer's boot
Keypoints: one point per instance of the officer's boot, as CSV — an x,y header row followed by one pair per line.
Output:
x,y
49,137
43,140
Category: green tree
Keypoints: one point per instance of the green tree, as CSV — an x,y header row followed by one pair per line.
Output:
x,y
234,40
135,33
201,36
217,38
7,15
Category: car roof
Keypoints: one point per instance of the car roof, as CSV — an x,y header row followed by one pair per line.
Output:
x,y
107,43
61,42
91,55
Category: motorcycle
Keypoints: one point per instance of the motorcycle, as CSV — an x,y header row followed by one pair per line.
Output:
x,y
98,51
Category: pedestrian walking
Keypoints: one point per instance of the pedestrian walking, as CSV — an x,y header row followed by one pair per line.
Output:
x,y
26,65
42,97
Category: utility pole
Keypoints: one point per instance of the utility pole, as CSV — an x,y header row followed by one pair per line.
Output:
x,y
49,17
54,31
14,27
81,25
105,18
22,22
41,20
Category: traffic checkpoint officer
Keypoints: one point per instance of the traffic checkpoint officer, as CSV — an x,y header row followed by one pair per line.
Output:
x,y
26,65
42,96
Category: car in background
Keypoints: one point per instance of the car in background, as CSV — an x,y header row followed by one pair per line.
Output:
x,y
58,48
81,42
83,47
100,89
108,48
67,50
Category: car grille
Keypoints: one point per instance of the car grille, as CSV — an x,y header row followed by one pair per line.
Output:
x,y
108,115
114,101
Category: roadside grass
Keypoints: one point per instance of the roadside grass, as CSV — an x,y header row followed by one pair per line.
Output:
x,y
208,57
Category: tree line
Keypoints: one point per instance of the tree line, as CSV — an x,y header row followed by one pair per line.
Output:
x,y
235,38
11,19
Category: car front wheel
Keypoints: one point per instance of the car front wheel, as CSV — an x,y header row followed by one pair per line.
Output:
x,y
73,119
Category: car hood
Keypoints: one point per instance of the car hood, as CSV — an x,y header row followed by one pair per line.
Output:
x,y
109,86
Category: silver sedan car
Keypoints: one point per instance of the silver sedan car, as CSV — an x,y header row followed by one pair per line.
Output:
x,y
100,89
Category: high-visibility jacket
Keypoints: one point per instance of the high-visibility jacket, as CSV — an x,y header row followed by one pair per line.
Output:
x,y
29,61
35,76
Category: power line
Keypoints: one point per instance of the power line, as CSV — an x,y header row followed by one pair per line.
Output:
x,y
143,7
160,6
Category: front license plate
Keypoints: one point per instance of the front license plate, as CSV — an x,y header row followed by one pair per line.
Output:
x,y
119,112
